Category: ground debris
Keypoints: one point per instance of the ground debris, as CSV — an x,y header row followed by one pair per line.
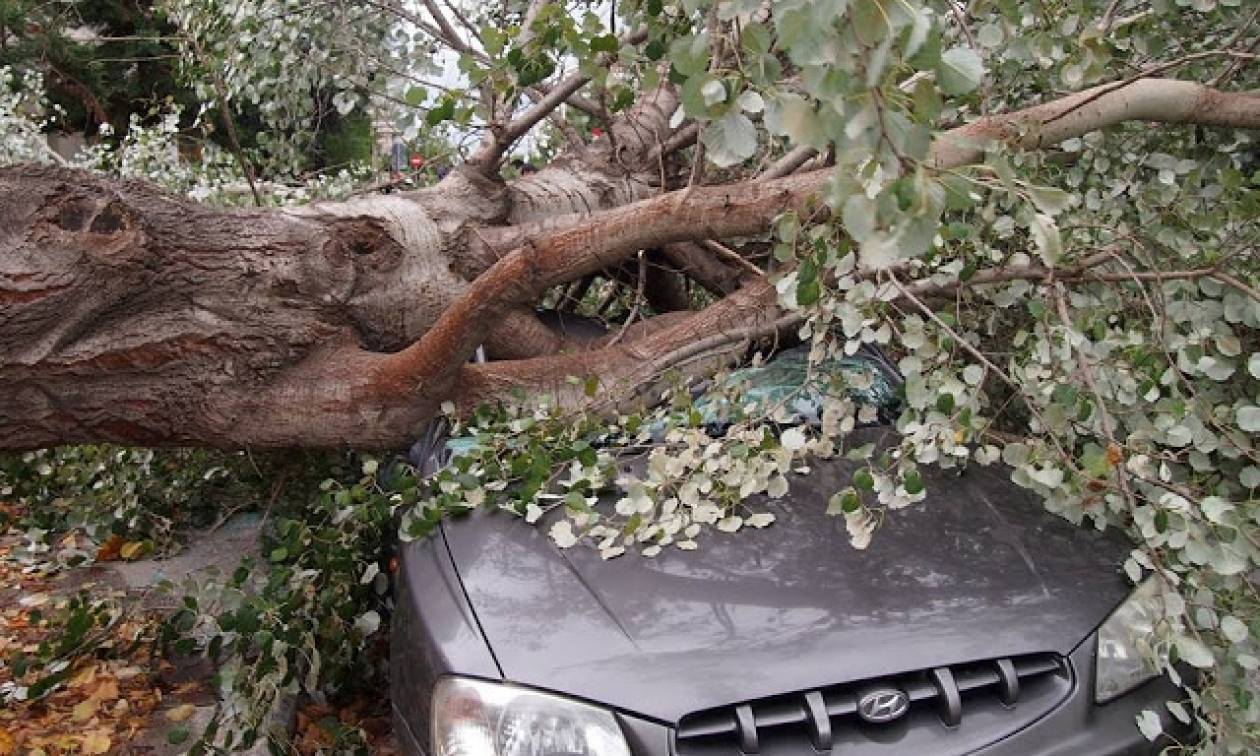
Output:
x,y
110,687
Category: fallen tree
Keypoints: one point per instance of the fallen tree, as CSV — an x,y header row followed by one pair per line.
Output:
x,y
132,316
1043,214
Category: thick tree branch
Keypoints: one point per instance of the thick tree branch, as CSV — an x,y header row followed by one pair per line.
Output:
x,y
633,367
603,239
1155,100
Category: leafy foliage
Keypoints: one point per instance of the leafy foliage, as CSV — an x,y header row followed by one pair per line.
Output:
x,y
77,47
84,624
308,619
140,495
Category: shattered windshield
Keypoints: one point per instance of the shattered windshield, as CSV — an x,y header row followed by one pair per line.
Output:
x,y
789,382
786,387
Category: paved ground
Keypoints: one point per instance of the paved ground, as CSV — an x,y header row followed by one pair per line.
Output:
x,y
220,549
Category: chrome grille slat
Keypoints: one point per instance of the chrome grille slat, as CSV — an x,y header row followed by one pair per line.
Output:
x,y
949,695
823,717
747,729
1008,682
819,721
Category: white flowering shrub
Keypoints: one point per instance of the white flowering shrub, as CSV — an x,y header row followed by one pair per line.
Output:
x,y
23,118
289,61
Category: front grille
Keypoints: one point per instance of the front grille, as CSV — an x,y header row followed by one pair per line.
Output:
x,y
951,709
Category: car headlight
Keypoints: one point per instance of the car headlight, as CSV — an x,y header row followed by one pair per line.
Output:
x,y
476,718
1124,659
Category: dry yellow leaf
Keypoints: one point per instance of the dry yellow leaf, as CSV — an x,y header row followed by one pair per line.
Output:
x,y
7,746
64,742
85,676
180,713
96,742
85,710
106,691
131,550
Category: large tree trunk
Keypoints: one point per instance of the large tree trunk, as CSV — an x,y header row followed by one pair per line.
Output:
x,y
130,316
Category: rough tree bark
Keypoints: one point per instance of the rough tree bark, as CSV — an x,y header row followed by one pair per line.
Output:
x,y
131,316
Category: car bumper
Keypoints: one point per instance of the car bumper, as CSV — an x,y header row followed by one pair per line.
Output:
x,y
1076,727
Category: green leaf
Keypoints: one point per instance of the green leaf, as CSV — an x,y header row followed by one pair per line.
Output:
x,y
730,140
794,117
712,91
1094,460
913,482
444,111
415,96
844,502
755,38
1045,233
1149,724
1194,652
604,43
1049,200
863,480
945,403
928,55
808,292
927,101
870,21
690,55
959,71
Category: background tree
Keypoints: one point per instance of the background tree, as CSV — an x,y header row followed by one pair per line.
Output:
x,y
1045,212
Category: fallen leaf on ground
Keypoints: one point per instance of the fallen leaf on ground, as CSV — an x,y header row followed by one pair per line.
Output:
x,y
106,691
108,551
85,676
85,710
96,742
180,713
132,550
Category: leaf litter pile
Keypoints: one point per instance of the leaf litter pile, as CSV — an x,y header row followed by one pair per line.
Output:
x,y
79,672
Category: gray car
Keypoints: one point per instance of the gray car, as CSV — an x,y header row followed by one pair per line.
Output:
x,y
975,622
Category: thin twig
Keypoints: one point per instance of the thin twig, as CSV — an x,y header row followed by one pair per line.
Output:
x,y
638,299
980,356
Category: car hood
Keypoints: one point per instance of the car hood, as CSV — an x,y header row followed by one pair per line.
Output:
x,y
978,570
